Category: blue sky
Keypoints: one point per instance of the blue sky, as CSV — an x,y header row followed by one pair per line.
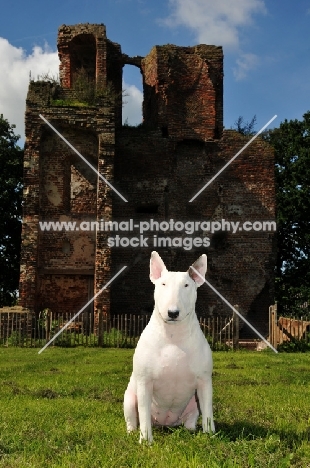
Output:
x,y
266,48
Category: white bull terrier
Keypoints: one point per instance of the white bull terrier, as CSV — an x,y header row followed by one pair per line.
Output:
x,y
172,365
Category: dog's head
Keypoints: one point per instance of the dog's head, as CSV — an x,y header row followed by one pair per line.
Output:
x,y
176,292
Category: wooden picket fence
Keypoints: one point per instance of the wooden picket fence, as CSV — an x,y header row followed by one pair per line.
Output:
x,y
287,329
19,327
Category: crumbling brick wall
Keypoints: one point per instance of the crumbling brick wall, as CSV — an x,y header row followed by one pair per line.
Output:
x,y
183,91
82,46
158,166
163,176
58,188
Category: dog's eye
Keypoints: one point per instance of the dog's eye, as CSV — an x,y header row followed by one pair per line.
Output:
x,y
186,285
163,284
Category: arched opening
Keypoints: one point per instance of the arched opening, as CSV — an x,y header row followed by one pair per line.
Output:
x,y
82,50
132,96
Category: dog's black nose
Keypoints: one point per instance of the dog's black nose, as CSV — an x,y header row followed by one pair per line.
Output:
x,y
173,314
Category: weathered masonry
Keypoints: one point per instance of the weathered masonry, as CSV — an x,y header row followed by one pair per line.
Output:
x,y
158,167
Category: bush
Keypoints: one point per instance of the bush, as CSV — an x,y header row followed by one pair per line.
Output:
x,y
294,346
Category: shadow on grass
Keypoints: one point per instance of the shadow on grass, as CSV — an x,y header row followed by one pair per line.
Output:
x,y
247,431
242,430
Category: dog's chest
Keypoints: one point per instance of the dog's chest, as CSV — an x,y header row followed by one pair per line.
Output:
x,y
175,364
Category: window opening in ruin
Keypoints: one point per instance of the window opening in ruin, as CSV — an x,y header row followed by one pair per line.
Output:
x,y
132,96
83,186
83,57
66,247
219,241
164,132
147,208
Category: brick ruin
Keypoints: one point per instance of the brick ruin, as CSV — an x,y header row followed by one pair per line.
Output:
x,y
157,166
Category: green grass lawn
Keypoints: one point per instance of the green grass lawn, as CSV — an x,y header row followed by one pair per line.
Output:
x,y
63,408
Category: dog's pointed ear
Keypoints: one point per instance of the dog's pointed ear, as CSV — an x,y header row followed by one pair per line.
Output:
x,y
198,270
157,267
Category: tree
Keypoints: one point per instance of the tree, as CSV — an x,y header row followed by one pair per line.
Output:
x,y
11,172
291,142
245,128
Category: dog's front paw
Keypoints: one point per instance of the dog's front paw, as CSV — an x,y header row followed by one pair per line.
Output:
x,y
208,426
131,428
145,440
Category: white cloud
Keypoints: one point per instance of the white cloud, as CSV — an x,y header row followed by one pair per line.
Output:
x,y
245,64
217,22
132,109
14,78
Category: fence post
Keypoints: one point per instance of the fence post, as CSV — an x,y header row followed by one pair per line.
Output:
x,y
275,322
235,340
270,325
273,325
100,328
272,321
48,325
